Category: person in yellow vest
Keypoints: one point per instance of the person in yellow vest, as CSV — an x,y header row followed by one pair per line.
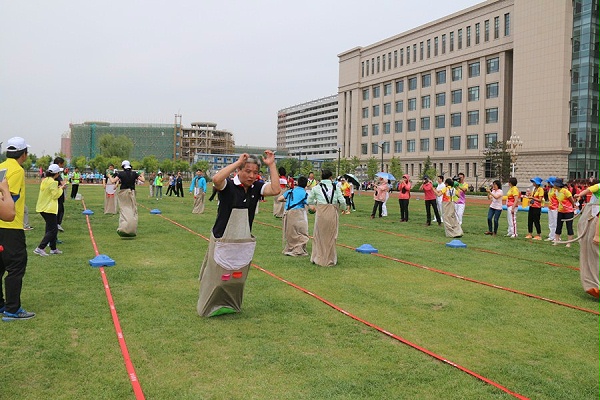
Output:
x,y
13,260
75,179
47,206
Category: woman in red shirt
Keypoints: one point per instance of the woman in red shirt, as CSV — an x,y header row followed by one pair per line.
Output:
x,y
430,200
404,196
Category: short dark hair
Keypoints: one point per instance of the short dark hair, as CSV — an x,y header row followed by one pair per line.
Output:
x,y
512,181
441,177
449,182
59,160
498,183
16,153
326,174
302,181
282,171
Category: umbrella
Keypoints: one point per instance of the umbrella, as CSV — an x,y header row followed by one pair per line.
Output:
x,y
386,175
352,179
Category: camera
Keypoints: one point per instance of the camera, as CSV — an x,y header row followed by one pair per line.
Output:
x,y
455,178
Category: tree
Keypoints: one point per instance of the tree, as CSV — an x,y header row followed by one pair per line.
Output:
x,y
291,165
372,167
79,162
346,167
44,161
428,169
203,165
497,161
354,164
118,146
98,163
396,167
305,167
150,164
166,165
330,165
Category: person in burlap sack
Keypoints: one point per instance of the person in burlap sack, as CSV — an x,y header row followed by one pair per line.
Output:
x,y
227,261
128,217
295,220
110,190
198,190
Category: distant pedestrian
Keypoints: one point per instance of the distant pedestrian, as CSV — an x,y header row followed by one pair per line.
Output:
x,y
75,181
158,185
179,185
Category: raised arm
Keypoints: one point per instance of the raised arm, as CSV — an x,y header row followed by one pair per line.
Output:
x,y
273,189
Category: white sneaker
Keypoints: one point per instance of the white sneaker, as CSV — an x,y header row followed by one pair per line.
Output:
x,y
514,236
55,251
60,228
40,252
549,239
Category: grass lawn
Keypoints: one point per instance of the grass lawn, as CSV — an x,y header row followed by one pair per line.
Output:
x,y
286,344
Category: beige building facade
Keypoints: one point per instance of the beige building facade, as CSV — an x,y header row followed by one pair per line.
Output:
x,y
448,88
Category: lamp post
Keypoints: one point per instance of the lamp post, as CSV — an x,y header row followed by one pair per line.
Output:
x,y
339,151
380,145
514,144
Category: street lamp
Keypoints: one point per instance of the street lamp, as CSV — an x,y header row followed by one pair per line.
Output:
x,y
339,151
514,144
380,145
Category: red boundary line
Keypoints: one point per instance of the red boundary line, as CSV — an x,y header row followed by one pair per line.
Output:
x,y
371,325
135,384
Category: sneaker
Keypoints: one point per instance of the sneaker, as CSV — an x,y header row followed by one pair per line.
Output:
x,y
40,252
537,237
60,228
58,241
529,236
508,235
514,236
549,239
20,314
55,251
28,228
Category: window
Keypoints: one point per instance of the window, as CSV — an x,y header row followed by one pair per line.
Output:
x,y
414,53
468,36
428,48
425,144
435,46
493,65
455,120
364,148
378,64
410,146
439,145
387,89
367,67
486,30
398,146
387,108
426,80
474,93
365,94
376,91
459,39
365,130
474,69
411,125
395,58
400,106
440,77
440,99
477,33
383,67
365,112
455,143
376,111
398,126
401,57
440,121
372,66
412,83
472,142
387,128
426,101
425,124
400,86
363,69
456,74
491,90
491,115
375,129
374,148
473,117
451,41
490,138
389,60
421,51
456,96
506,24
412,104
443,44
496,27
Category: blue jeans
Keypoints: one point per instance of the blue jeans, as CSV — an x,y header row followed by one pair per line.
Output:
x,y
495,214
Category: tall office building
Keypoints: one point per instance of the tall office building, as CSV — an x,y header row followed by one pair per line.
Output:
x,y
502,68
309,130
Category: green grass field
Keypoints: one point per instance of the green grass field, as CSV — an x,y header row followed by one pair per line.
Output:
x,y
286,344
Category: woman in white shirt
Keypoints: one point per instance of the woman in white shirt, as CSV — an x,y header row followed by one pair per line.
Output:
x,y
495,195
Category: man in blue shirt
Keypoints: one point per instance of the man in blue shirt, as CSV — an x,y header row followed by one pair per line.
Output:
x,y
198,188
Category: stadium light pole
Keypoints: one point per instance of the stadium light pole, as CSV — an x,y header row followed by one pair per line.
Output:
x,y
514,144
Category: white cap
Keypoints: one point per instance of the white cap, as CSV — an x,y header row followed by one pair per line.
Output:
x,y
16,144
126,164
54,168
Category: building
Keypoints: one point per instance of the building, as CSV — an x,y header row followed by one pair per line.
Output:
x,y
309,131
500,68
163,141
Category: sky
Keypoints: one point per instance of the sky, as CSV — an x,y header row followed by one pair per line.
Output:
x,y
232,62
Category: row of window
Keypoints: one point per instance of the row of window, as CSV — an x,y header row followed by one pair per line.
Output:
x,y
380,63
439,143
491,92
492,66
491,117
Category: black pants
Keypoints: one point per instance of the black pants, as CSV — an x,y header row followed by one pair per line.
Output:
x,y
74,190
13,260
51,231
179,189
428,205
352,201
559,223
403,209
533,217
170,191
377,205
61,209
